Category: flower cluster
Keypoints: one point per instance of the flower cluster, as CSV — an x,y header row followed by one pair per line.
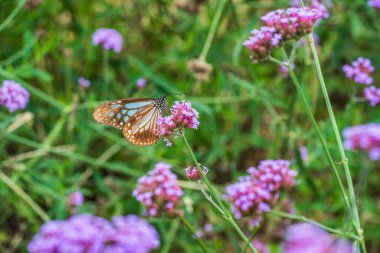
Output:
x,y
292,23
258,192
281,26
360,71
262,42
374,3
158,191
13,96
182,116
372,94
84,83
305,237
315,4
109,38
88,233
364,137
192,173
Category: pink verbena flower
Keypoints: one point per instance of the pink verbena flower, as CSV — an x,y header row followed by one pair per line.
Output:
x,y
262,42
304,237
131,234
372,94
88,233
158,191
360,70
109,38
374,3
141,82
192,173
292,23
364,137
13,96
308,238
75,199
258,192
182,116
260,246
315,4
84,82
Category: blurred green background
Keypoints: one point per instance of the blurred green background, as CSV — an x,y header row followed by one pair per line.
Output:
x,y
247,112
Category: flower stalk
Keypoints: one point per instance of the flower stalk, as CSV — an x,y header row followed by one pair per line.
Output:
x,y
344,161
226,214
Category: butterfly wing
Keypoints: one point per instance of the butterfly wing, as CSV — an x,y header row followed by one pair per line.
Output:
x,y
136,117
141,128
116,113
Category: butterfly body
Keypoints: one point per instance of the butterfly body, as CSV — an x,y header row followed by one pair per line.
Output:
x,y
137,118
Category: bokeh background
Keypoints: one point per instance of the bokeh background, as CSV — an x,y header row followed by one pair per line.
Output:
x,y
247,112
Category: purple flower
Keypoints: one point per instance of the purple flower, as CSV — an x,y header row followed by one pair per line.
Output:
x,y
193,174
13,96
372,94
260,246
182,116
132,234
158,191
360,71
262,42
364,137
88,233
75,199
374,3
308,238
304,152
292,23
259,191
141,82
84,82
315,4
109,38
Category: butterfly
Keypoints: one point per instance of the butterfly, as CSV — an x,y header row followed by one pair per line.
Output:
x,y
136,117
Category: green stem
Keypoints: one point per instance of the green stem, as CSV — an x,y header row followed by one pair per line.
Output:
x,y
213,192
12,15
192,230
20,192
211,33
304,219
347,172
317,130
209,198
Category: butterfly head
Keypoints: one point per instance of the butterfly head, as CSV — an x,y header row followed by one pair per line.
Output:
x,y
160,103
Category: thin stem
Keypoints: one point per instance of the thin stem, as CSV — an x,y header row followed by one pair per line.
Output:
x,y
317,130
211,33
20,192
304,219
213,192
192,230
209,198
347,172
12,15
